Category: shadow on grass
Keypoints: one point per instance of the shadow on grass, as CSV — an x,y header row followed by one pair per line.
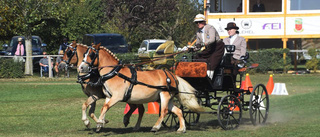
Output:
x,y
204,125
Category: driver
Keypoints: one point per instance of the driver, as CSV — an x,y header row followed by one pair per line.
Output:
x,y
209,43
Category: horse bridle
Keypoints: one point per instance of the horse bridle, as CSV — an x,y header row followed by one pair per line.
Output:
x,y
70,54
95,56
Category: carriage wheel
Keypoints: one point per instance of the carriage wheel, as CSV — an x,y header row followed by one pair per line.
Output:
x,y
229,112
171,120
191,118
259,105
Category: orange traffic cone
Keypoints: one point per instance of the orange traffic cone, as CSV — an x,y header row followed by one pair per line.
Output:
x,y
270,85
246,84
153,108
128,108
232,108
243,83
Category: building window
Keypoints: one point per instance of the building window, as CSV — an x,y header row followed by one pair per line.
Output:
x,y
225,6
265,6
304,5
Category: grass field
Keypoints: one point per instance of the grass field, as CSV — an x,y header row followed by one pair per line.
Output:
x,y
52,107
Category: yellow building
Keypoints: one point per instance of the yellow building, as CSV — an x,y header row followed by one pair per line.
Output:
x,y
282,23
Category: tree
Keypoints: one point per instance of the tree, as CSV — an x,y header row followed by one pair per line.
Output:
x,y
30,16
141,19
85,17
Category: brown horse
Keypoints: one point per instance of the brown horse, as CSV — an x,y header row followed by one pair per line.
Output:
x,y
74,55
141,86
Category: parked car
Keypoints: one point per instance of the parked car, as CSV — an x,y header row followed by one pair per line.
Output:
x,y
150,45
37,47
114,42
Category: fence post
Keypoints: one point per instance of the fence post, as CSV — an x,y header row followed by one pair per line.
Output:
x,y
50,66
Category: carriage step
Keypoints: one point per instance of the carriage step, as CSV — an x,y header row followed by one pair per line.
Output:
x,y
215,103
245,104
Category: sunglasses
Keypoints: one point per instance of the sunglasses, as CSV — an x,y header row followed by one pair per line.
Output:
x,y
198,22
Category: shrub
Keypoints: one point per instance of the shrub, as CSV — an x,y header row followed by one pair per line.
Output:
x,y
270,59
128,58
10,68
313,63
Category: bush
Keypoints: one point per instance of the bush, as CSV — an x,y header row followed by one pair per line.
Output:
x,y
10,68
313,64
128,58
270,59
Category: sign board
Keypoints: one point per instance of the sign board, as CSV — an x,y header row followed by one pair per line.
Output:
x,y
251,26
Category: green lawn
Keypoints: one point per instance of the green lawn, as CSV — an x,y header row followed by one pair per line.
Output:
x,y
52,107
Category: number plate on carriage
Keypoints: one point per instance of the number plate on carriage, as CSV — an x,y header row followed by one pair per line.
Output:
x,y
191,69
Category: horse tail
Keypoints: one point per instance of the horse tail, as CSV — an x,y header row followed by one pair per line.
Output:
x,y
187,96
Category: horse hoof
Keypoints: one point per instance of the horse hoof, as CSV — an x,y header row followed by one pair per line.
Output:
x,y
126,124
106,121
99,126
154,130
181,131
135,129
87,124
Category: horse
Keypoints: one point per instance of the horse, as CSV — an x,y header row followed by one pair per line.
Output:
x,y
73,53
124,83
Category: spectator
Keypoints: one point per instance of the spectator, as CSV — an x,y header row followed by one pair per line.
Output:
x,y
18,50
239,9
60,66
44,63
258,7
58,60
208,41
64,45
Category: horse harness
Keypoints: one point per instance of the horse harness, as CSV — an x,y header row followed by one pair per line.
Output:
x,y
133,80
70,54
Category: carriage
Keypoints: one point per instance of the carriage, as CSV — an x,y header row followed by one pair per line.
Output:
x,y
224,94
158,59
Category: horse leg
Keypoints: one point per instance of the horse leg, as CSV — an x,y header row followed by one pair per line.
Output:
x,y
85,105
92,115
141,112
164,97
66,72
178,112
126,117
106,106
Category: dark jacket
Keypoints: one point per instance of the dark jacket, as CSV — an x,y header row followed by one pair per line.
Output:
x,y
259,8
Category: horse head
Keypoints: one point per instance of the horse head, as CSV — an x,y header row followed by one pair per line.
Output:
x,y
69,54
90,59
97,56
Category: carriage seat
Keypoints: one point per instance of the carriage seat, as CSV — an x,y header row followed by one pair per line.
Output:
x,y
165,48
191,69
226,59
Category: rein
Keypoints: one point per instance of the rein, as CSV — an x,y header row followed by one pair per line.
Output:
x,y
146,62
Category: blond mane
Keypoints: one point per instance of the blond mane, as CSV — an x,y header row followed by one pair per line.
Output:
x,y
112,54
80,44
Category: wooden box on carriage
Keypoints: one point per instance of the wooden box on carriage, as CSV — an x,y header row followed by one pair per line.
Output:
x,y
191,69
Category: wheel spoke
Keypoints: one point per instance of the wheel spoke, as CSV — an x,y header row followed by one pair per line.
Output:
x,y
228,117
235,119
167,118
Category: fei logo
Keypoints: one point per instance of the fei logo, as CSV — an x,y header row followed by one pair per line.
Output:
x,y
298,25
272,26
